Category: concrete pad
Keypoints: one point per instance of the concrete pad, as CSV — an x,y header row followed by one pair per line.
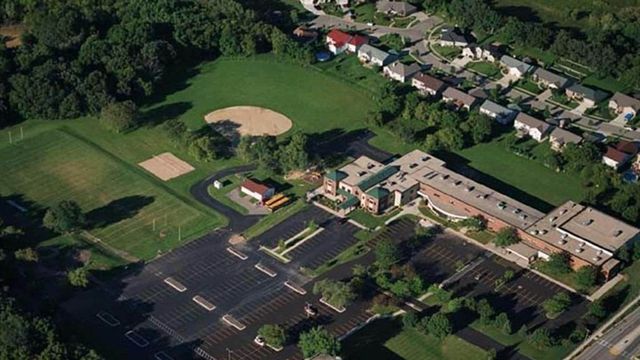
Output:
x,y
166,166
204,303
237,253
108,318
175,284
230,320
265,270
295,287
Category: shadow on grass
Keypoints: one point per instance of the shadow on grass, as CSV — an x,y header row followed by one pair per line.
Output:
x,y
368,343
159,114
117,210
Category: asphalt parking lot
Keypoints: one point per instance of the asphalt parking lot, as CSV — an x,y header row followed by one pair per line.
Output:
x,y
293,226
336,237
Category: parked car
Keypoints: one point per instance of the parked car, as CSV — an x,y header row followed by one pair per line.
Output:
x,y
259,340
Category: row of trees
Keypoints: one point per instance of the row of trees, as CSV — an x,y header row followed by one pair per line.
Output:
x,y
205,144
274,157
77,58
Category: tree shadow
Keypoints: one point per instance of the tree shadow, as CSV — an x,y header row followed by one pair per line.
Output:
x,y
228,129
117,210
159,114
368,343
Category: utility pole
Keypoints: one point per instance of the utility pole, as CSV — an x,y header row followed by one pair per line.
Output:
x,y
229,352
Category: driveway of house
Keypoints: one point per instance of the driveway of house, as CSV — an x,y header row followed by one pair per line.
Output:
x,y
582,107
506,80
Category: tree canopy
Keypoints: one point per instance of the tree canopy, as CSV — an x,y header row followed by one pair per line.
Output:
x,y
318,341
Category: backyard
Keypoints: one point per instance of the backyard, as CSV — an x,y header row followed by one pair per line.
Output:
x,y
485,68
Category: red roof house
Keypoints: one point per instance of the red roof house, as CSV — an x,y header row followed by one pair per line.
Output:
x,y
356,41
619,155
337,41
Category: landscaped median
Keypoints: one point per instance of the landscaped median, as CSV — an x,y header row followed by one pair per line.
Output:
x,y
285,246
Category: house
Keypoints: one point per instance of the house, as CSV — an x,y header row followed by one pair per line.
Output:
x,y
515,67
427,84
532,127
559,138
453,37
548,79
371,55
401,72
489,52
499,113
458,98
336,41
257,190
624,104
399,8
479,93
620,154
588,96
302,32
356,42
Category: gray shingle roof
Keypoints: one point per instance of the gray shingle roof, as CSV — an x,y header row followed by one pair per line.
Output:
x,y
511,62
563,136
402,69
550,77
588,93
492,107
532,122
623,100
374,52
395,6
459,95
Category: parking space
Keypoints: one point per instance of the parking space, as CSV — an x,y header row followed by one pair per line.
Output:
x,y
442,256
293,226
336,237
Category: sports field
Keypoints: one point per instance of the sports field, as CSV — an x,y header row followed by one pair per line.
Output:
x,y
314,101
121,203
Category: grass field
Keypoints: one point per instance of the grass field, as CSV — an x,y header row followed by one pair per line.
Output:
x,y
385,339
485,68
521,176
119,202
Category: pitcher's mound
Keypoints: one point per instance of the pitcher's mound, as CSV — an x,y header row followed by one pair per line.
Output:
x,y
250,120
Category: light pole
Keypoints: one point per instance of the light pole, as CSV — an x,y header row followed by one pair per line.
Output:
x,y
229,352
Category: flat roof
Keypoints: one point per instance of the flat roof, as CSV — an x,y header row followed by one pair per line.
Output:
x,y
478,196
584,232
360,169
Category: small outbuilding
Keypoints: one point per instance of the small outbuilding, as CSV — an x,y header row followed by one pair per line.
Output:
x,y
257,190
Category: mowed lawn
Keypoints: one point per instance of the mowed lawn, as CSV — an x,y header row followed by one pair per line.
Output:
x,y
385,339
314,101
121,203
521,176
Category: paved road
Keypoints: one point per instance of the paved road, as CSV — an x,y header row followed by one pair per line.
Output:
x,y
615,338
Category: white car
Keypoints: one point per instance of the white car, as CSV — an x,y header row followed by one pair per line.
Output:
x,y
259,340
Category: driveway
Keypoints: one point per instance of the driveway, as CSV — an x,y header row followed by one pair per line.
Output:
x,y
507,80
582,107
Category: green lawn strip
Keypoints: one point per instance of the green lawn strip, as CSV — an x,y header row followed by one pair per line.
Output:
x,y
385,339
529,86
448,52
64,248
372,221
485,68
522,343
124,200
545,57
367,13
274,219
348,68
605,83
401,22
221,194
601,110
524,179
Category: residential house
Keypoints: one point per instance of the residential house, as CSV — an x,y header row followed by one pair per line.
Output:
x,y
624,104
515,67
548,79
374,56
399,8
458,98
356,42
256,190
559,138
401,72
479,93
588,96
532,127
336,41
499,113
453,37
620,154
427,84
489,52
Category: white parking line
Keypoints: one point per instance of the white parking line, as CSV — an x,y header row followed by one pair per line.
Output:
x,y
265,270
136,338
175,284
108,318
203,302
237,253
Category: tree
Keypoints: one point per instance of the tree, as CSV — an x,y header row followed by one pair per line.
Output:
x,y
409,320
336,293
485,310
541,338
318,341
506,236
273,335
503,323
78,277
586,278
387,254
439,325
26,254
480,127
294,156
558,263
119,116
597,310
555,305
64,217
